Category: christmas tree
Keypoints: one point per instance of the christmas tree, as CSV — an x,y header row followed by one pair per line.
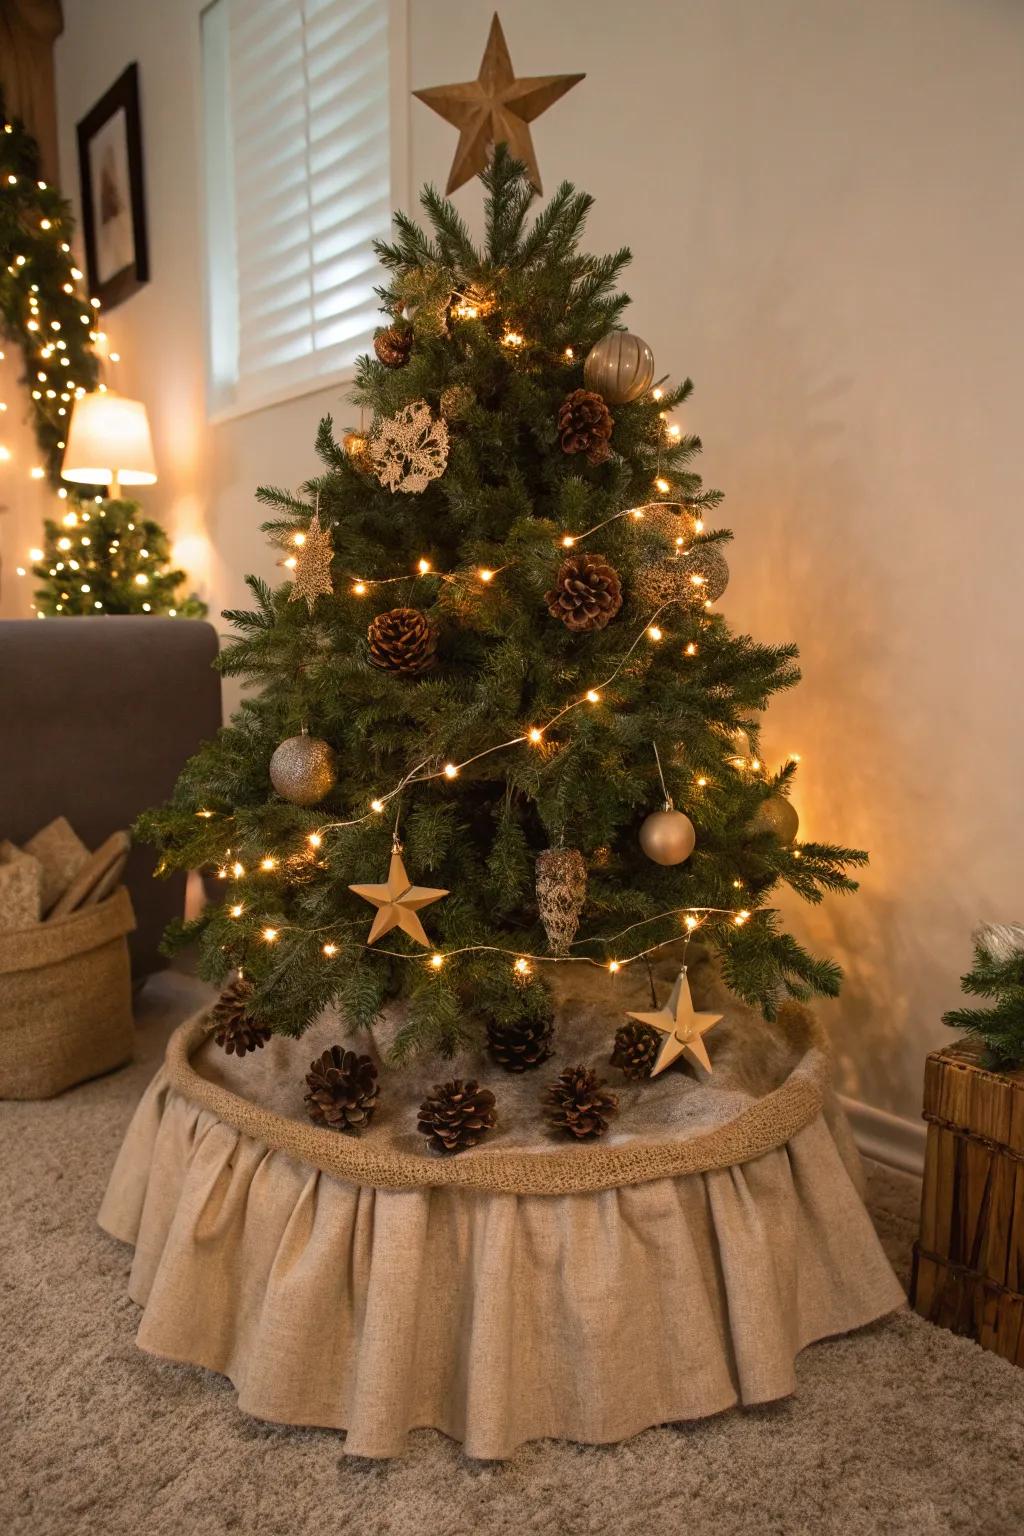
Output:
x,y
997,973
498,664
104,557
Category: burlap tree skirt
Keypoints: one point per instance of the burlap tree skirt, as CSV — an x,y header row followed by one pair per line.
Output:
x,y
525,1288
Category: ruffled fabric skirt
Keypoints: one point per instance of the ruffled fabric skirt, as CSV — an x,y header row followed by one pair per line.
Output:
x,y
495,1317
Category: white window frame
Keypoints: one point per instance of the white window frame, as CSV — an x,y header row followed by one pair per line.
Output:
x,y
214,285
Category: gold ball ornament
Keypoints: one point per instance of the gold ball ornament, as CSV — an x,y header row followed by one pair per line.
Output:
x,y
667,837
777,816
671,521
303,769
619,367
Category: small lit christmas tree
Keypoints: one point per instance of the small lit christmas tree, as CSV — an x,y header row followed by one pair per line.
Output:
x,y
997,974
105,557
501,722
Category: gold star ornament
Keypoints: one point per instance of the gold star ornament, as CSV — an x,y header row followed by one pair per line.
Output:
x,y
495,108
398,901
313,564
682,1027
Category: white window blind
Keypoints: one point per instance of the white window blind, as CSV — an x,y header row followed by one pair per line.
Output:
x,y
298,185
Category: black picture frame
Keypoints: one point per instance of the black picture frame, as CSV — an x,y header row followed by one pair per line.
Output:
x,y
113,193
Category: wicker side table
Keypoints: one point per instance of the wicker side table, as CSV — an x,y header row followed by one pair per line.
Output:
x,y
968,1272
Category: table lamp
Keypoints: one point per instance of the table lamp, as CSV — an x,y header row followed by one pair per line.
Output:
x,y
109,441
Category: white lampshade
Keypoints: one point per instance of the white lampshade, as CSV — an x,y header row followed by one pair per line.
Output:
x,y
109,441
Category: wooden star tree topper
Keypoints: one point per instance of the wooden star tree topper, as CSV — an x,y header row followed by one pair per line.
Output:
x,y
495,108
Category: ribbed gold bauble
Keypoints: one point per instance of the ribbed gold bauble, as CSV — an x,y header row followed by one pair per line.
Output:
x,y
303,769
619,367
667,837
456,401
778,816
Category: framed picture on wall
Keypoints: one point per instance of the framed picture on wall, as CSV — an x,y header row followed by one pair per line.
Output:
x,y
113,199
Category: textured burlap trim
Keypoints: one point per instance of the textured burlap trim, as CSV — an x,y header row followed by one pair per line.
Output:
x,y
769,1123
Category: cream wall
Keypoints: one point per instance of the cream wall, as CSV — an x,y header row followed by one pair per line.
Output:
x,y
823,200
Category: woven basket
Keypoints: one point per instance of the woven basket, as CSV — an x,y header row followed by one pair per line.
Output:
x,y
65,1000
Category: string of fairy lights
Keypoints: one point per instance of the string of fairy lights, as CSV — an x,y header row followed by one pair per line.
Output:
x,y
429,769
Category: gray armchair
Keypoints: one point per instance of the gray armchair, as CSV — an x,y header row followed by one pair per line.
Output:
x,y
97,716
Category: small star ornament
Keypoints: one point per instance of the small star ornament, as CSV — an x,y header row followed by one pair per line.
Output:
x,y
398,902
495,108
681,1026
312,577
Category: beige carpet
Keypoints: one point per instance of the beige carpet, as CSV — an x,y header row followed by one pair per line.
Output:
x,y
901,1428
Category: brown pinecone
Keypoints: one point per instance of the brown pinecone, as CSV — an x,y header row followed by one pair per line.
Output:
x,y
342,1090
636,1046
232,1030
402,640
587,593
579,1104
457,1115
393,346
519,1046
585,425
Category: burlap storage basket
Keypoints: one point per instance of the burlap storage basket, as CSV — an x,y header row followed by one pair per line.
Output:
x,y
65,1000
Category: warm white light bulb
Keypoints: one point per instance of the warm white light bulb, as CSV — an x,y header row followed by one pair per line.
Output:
x,y
314,839
593,697
423,566
654,633
450,771
270,934
437,961
330,950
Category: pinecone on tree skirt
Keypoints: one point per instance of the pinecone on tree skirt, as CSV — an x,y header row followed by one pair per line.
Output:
x,y
587,593
393,346
585,425
232,1030
342,1090
457,1115
636,1046
402,640
519,1046
579,1104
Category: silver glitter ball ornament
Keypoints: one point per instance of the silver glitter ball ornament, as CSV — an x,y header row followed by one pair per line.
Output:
x,y
303,769
619,367
671,520
667,837
693,579
777,816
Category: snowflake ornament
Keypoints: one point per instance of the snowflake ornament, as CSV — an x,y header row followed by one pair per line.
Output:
x,y
410,449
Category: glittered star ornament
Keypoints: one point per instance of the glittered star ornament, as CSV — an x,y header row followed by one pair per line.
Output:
x,y
681,1026
398,901
495,108
313,565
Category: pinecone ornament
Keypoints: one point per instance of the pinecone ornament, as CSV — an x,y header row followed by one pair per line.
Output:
x,y
579,1104
393,346
561,884
456,1115
232,1030
636,1046
518,1047
342,1090
402,640
585,425
587,593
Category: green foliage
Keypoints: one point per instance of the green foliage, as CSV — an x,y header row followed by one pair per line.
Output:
x,y
507,500
38,290
104,558
998,973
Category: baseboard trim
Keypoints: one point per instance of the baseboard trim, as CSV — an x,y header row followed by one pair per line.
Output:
x,y
886,1138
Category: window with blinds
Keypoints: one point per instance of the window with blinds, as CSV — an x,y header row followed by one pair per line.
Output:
x,y
298,184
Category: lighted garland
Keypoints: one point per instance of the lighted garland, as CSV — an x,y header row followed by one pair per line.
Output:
x,y
41,307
